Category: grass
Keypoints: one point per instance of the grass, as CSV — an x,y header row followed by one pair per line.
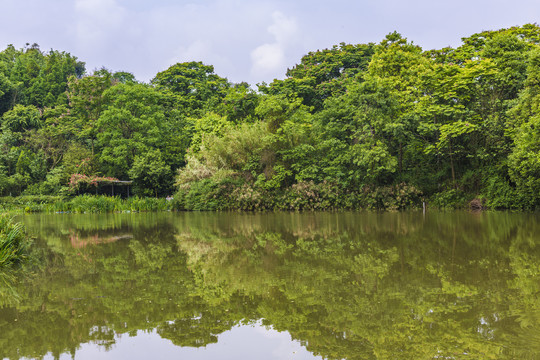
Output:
x,y
99,204
13,241
83,204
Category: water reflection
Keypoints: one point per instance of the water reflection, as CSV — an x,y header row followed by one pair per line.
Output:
x,y
344,285
241,342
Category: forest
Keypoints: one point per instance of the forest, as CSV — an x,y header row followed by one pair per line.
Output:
x,y
383,125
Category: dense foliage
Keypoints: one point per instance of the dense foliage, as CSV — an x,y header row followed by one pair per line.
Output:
x,y
384,125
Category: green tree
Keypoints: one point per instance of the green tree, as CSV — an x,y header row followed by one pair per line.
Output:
x,y
36,78
239,104
524,161
131,124
151,175
86,105
21,118
323,73
194,85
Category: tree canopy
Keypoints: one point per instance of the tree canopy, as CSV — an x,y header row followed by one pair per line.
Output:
x,y
365,122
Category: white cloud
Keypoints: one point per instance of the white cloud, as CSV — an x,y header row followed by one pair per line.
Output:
x,y
284,28
245,40
105,10
35,21
270,59
97,20
267,59
196,51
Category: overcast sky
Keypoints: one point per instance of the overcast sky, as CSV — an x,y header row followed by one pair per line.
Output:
x,y
245,40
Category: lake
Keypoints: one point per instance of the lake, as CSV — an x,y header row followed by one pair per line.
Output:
x,y
345,285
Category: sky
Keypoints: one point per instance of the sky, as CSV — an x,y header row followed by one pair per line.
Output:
x,y
245,40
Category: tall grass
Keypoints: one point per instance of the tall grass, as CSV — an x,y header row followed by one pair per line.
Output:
x,y
100,204
83,204
28,203
13,241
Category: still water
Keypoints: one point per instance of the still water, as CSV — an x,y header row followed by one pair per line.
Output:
x,y
359,285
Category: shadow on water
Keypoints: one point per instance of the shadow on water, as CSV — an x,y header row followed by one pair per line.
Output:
x,y
345,285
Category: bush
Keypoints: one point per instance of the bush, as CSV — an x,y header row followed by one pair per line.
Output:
x,y
237,194
499,194
396,197
302,196
307,195
250,198
449,199
206,195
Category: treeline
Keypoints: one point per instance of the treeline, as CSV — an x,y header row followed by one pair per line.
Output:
x,y
384,125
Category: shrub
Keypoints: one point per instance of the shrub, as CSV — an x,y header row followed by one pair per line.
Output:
x,y
206,194
500,194
302,196
449,199
249,198
307,195
396,197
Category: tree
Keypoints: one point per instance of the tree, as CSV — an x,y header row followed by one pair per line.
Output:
x,y
194,84
239,104
86,104
21,118
524,161
33,77
323,73
150,174
131,124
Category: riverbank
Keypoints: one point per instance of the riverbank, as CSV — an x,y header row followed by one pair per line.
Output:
x,y
209,196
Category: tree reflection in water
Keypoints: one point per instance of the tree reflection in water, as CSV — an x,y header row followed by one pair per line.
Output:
x,y
346,285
